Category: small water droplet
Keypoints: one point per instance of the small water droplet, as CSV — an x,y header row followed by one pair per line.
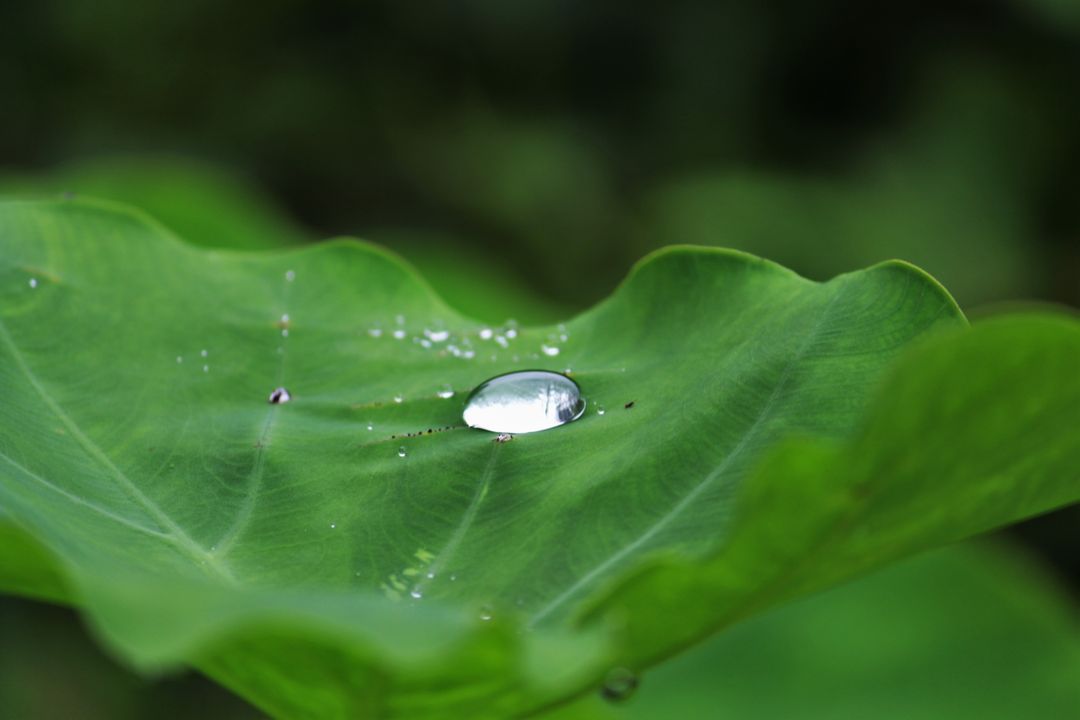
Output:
x,y
204,353
549,350
284,332
399,399
619,685
285,318
280,396
375,332
399,319
401,451
502,341
425,343
468,354
511,333
206,368
290,275
453,578
33,283
524,402
179,359
370,426
399,334
486,333
437,335
430,576
563,337
485,613
333,526
600,409
446,393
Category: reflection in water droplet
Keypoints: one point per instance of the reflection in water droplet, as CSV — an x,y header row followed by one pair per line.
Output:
x,y
280,396
446,393
401,451
550,350
619,685
33,283
524,402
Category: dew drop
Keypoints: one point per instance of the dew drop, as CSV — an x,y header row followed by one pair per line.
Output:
x,y
285,319
284,332
600,409
399,319
453,578
416,594
399,399
486,333
502,342
446,393
524,402
399,334
290,275
375,332
204,353
206,368
401,451
437,335
280,396
33,283
179,359
485,613
430,576
370,426
549,350
333,526
619,685
511,333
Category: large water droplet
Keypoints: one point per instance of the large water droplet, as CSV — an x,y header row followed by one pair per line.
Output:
x,y
524,402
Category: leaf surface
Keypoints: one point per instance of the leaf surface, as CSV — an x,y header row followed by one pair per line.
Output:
x,y
325,569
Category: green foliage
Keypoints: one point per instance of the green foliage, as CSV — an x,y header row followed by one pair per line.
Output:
x,y
276,547
965,632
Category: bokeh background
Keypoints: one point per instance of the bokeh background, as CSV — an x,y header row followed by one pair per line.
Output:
x,y
523,155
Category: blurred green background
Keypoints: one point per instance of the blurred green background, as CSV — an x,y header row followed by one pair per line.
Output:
x,y
523,155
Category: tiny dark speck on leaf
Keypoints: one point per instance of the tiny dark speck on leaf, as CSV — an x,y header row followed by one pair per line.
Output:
x,y
629,405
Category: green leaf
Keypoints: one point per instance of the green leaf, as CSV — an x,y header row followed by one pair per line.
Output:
x,y
973,631
276,546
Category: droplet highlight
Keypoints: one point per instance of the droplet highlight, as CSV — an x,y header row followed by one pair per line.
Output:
x,y
524,402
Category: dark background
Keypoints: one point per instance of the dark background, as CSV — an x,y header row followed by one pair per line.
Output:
x,y
551,144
